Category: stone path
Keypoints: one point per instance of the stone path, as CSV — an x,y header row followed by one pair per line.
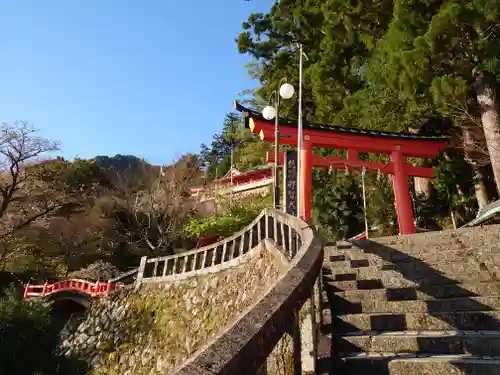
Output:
x,y
396,312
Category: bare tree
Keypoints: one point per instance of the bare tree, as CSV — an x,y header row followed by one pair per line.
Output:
x,y
159,208
21,201
75,239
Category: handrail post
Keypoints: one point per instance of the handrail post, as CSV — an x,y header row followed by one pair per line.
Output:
x,y
315,318
96,293
44,288
140,272
296,342
26,288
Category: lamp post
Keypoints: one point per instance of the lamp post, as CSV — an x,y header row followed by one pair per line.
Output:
x,y
286,91
299,131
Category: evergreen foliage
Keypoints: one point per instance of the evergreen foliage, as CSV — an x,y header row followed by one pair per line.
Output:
x,y
403,65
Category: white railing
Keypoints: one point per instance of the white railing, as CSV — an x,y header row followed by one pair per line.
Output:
x,y
193,262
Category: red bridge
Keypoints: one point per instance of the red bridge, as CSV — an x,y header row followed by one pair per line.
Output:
x,y
90,288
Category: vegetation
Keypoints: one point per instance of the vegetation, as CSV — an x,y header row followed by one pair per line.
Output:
x,y
29,339
58,216
229,220
91,219
403,65
249,152
418,66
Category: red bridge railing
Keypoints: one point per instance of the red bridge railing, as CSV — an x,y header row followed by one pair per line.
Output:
x,y
91,288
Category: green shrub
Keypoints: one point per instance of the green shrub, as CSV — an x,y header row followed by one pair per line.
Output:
x,y
28,339
24,333
231,219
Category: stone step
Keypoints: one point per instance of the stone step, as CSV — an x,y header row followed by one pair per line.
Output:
x,y
448,263
333,257
394,279
413,269
448,321
341,306
490,289
435,342
341,245
438,239
422,364
415,272
332,287
381,248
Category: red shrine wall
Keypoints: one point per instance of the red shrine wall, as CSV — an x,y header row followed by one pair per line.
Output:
x,y
253,183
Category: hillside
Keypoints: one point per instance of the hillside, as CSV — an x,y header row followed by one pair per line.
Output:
x,y
64,216
119,162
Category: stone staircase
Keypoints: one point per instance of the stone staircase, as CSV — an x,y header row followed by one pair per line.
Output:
x,y
422,304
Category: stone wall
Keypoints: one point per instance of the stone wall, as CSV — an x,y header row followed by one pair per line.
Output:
x,y
156,329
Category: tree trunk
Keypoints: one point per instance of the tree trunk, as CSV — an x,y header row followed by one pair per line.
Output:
x,y
473,143
480,188
453,220
491,126
423,188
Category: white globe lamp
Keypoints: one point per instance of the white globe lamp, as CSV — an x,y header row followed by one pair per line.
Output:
x,y
269,112
286,91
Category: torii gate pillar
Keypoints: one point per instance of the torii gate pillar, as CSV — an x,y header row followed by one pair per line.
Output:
x,y
402,194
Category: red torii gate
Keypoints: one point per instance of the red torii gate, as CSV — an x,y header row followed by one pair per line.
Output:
x,y
396,145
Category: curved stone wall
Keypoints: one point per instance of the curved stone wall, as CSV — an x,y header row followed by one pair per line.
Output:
x,y
207,310
293,303
155,329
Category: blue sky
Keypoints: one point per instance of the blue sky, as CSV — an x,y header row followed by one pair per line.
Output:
x,y
151,78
